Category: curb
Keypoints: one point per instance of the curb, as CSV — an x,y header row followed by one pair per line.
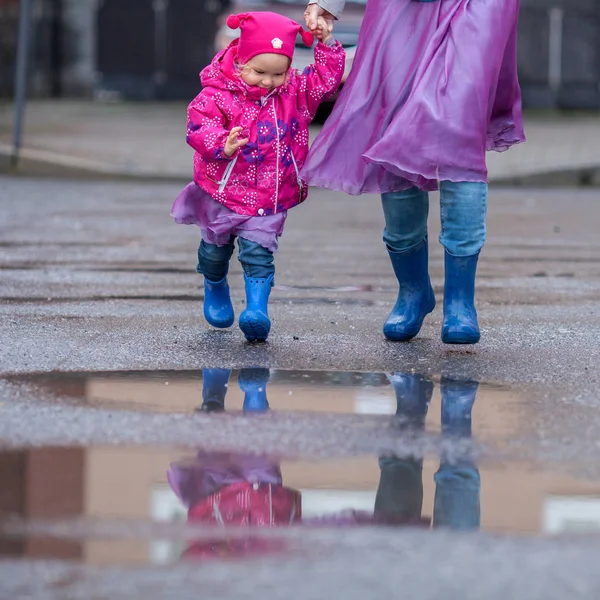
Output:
x,y
42,163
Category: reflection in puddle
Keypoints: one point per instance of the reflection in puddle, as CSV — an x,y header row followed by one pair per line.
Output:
x,y
244,490
242,494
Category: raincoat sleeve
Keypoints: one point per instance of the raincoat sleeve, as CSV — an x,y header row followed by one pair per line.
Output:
x,y
320,80
207,129
335,7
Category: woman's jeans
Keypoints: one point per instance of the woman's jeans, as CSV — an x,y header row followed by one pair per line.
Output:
x,y
213,260
463,213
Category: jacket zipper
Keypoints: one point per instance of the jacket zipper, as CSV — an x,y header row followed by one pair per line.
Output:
x,y
298,178
227,174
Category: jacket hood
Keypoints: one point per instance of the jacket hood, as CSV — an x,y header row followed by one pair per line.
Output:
x,y
222,73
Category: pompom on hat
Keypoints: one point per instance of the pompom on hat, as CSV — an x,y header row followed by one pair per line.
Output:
x,y
266,33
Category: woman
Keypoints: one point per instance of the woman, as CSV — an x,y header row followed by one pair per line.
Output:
x,y
433,86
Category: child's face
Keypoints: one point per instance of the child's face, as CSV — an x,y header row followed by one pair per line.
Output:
x,y
266,71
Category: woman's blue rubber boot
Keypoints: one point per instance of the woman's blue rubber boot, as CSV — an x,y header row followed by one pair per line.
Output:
x,y
218,310
460,317
254,321
415,297
253,382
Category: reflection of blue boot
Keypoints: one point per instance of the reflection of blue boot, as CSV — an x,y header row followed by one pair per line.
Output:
x,y
254,321
400,492
458,483
214,388
460,317
415,297
253,382
399,496
218,310
413,395
458,398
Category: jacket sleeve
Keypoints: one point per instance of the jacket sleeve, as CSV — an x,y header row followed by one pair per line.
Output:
x,y
207,129
320,80
335,7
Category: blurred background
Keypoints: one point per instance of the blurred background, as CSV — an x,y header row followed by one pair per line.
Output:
x,y
154,49
145,55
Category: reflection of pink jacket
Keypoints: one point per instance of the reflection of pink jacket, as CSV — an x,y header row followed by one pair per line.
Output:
x,y
247,491
262,178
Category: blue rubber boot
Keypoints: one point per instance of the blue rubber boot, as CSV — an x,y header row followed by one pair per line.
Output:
x,y
457,482
254,321
218,310
413,395
458,398
460,317
415,297
253,382
214,388
399,496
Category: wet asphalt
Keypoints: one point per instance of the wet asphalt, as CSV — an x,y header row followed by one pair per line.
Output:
x,y
97,279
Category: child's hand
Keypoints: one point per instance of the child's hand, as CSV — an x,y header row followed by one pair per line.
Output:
x,y
233,143
323,29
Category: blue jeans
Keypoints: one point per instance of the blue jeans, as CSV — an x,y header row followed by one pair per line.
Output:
x,y
213,260
463,212
456,502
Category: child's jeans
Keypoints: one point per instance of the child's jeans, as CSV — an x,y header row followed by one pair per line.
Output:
x,y
463,212
213,260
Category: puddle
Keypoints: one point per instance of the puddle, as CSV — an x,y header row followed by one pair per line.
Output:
x,y
258,389
242,504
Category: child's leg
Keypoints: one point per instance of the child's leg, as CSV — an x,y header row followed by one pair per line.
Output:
x,y
257,261
213,263
213,260
405,237
259,272
463,212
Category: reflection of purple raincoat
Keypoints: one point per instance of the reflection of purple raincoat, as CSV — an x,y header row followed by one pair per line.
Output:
x,y
433,86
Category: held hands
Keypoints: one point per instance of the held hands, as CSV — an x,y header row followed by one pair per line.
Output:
x,y
319,22
233,142
322,33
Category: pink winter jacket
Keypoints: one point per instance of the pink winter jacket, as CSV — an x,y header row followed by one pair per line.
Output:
x,y
261,178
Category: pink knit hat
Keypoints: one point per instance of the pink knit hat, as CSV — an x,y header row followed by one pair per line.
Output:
x,y
266,33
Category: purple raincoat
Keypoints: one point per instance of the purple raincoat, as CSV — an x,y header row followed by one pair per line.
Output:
x,y
434,85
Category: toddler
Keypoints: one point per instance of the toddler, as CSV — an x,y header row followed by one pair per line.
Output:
x,y
249,128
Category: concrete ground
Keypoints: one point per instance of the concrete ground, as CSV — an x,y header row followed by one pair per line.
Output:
x,y
96,278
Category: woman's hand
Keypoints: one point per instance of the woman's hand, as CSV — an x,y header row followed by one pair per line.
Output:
x,y
322,33
311,16
233,142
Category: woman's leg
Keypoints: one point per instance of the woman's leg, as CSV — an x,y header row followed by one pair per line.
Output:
x,y
463,213
259,272
405,237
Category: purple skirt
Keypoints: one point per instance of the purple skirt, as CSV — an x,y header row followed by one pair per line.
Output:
x,y
218,224
433,86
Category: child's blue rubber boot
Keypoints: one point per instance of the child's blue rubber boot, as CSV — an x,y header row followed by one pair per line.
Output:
x,y
415,297
460,317
253,382
218,310
214,389
254,321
